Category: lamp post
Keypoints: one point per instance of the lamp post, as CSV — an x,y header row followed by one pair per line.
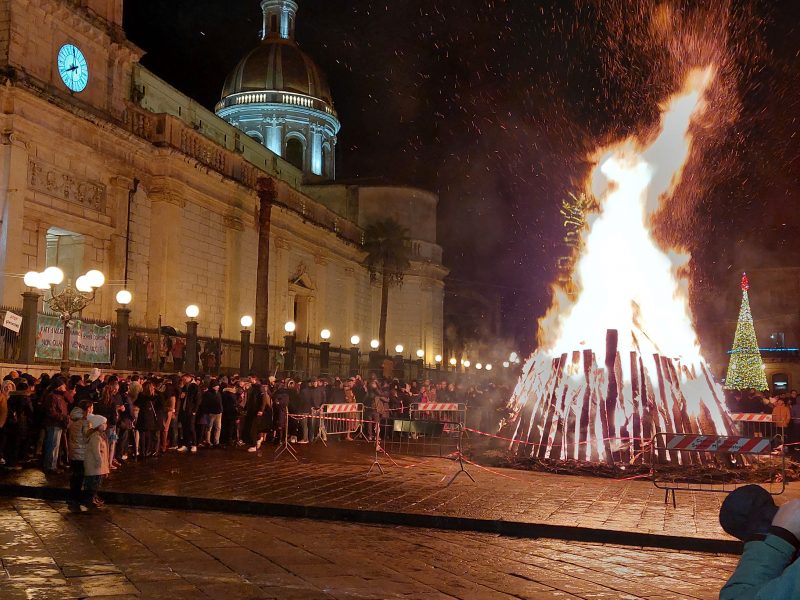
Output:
x,y
30,315
453,362
289,345
354,354
124,298
438,360
324,351
420,363
244,351
69,301
399,368
192,311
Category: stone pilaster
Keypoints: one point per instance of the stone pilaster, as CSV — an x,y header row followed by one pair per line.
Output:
x,y
233,274
13,234
165,247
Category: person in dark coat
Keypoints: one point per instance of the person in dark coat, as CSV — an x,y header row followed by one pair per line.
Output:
x,y
147,423
230,413
56,419
20,415
211,408
188,405
258,414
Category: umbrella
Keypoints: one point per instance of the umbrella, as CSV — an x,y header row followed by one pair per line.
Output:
x,y
168,330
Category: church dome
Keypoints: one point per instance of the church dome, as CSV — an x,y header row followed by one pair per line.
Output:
x,y
278,64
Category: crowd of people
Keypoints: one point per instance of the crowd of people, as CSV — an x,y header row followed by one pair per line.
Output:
x,y
784,408
93,424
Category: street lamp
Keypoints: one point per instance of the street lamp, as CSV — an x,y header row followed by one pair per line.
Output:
x,y
289,344
506,364
438,358
466,364
244,351
354,354
192,312
488,367
124,297
478,366
374,344
453,362
324,351
399,348
420,353
69,301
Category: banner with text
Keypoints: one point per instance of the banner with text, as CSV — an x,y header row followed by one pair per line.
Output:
x,y
88,343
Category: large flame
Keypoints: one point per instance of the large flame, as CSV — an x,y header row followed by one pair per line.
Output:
x,y
654,377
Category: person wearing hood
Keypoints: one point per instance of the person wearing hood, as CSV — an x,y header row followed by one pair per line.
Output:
x,y
77,436
95,459
230,413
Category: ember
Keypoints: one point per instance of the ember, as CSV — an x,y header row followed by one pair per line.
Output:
x,y
619,359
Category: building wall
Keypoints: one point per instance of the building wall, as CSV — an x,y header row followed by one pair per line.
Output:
x,y
73,163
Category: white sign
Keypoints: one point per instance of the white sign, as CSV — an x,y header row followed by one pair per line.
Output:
x,y
12,321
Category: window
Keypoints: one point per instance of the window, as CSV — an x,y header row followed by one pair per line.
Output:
x,y
294,152
780,383
65,251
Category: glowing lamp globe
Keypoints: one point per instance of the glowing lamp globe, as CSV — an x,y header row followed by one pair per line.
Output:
x,y
438,358
488,367
420,353
355,340
31,279
246,321
325,334
289,327
95,278
399,348
124,297
81,284
506,364
467,364
53,275
374,344
192,311
453,361
478,366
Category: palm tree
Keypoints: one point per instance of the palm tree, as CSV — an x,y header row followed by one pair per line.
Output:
x,y
388,256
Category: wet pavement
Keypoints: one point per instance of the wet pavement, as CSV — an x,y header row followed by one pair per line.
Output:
x,y
335,478
118,553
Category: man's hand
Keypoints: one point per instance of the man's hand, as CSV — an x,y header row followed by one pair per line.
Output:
x,y
788,517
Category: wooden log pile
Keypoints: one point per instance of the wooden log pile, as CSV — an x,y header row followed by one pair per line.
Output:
x,y
572,408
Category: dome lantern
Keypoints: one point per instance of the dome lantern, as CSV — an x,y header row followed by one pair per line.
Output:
x,y
279,18
279,97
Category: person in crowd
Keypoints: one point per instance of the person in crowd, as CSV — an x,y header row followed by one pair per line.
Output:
x,y
78,438
211,409
110,406
20,415
56,420
781,414
169,403
6,389
259,411
230,413
96,457
280,409
303,405
147,423
189,404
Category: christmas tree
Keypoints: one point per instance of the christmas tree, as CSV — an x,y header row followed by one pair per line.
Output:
x,y
745,371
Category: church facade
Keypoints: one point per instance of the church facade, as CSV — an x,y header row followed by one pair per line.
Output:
x,y
105,166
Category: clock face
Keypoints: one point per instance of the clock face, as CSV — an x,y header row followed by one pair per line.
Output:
x,y
73,67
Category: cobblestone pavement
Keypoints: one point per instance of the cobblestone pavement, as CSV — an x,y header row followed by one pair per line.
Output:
x,y
336,477
47,552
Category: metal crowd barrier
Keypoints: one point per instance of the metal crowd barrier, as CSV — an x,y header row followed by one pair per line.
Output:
x,y
708,463
757,425
431,429
341,419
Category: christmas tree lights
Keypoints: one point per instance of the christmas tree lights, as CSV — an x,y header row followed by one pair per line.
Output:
x,y
745,370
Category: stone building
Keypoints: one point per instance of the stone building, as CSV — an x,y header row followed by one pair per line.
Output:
x,y
103,165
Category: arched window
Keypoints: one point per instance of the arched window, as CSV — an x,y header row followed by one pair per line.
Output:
x,y
294,152
256,136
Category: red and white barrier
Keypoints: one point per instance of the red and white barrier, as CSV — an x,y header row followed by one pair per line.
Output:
x,y
709,443
752,417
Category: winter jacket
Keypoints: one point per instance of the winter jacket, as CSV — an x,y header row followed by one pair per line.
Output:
x,y
56,410
211,403
148,413
95,459
78,427
781,415
766,571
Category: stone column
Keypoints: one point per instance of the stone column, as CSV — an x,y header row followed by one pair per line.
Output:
x,y
30,312
267,194
324,357
14,174
121,350
244,360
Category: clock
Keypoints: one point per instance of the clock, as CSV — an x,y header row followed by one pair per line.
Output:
x,y
73,68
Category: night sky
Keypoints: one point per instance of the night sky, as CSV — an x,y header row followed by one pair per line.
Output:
x,y
496,105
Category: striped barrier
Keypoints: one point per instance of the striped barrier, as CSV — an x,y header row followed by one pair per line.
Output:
x,y
752,417
716,455
757,425
340,419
